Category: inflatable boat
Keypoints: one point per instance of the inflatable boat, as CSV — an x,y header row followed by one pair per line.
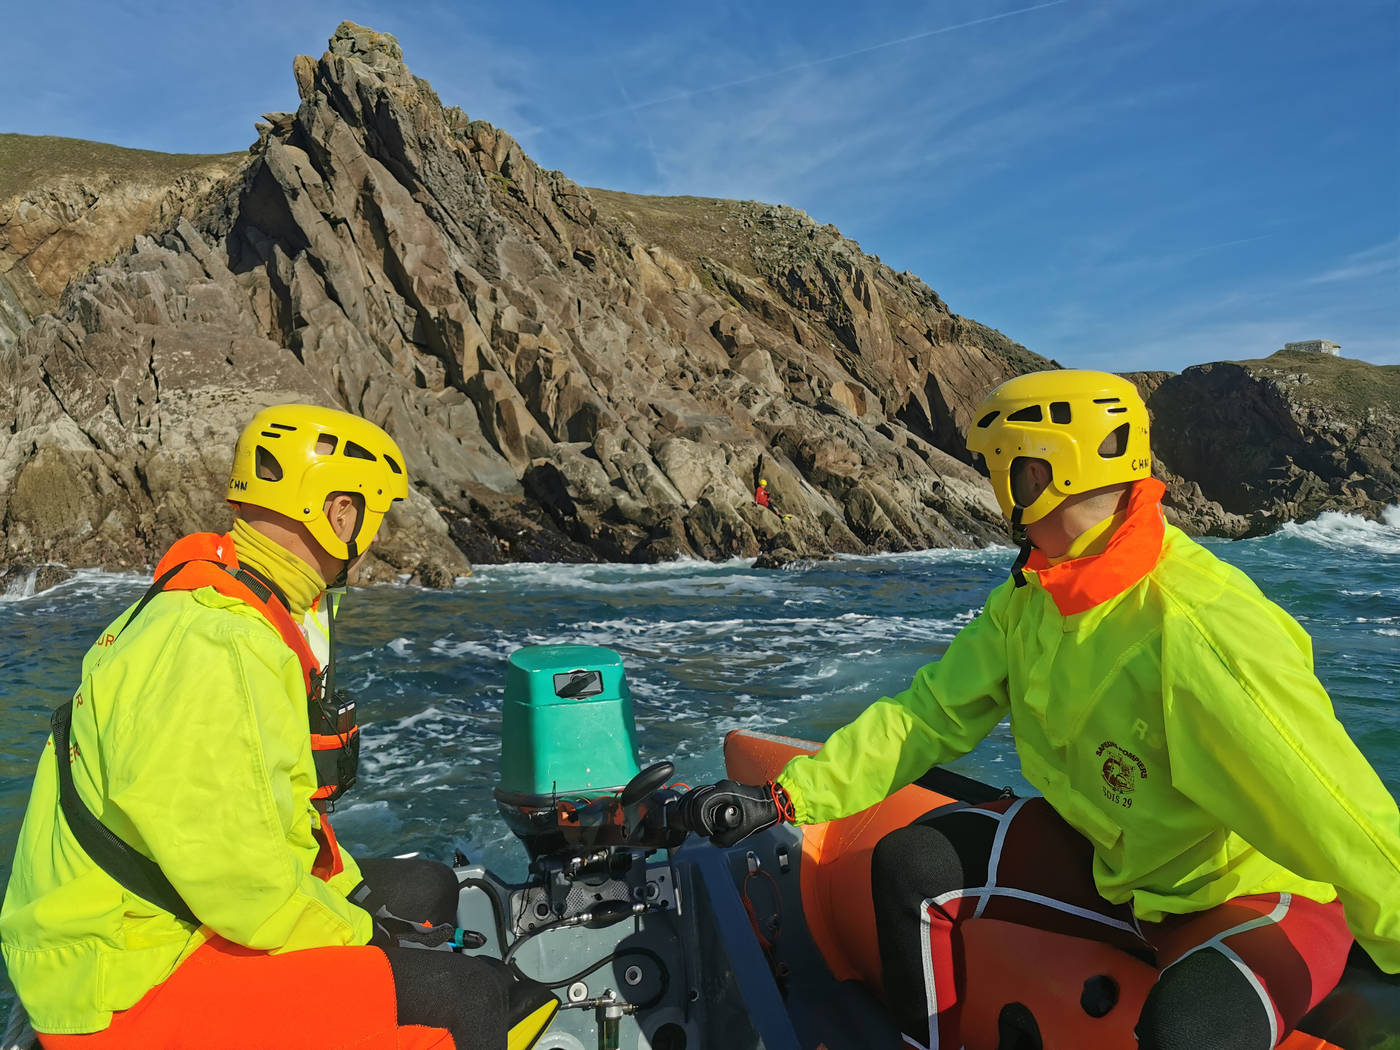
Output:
x,y
655,940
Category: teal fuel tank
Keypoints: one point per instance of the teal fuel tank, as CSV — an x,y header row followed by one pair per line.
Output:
x,y
567,725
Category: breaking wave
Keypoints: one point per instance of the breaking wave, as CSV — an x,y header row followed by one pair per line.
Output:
x,y
1350,532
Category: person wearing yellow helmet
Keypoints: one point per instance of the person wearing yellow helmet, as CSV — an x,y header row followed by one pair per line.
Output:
x,y
329,473
1060,448
177,881
762,496
1200,807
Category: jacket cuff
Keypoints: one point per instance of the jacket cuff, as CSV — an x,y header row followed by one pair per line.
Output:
x,y
794,794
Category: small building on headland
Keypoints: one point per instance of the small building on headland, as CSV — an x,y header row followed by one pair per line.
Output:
x,y
1315,346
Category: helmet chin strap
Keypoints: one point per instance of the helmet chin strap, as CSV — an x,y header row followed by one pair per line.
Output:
x,y
350,555
1018,535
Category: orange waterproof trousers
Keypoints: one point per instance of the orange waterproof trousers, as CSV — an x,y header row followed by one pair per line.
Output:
x,y
227,997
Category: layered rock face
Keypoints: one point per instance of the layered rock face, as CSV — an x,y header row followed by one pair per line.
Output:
x,y
86,203
1247,446
570,378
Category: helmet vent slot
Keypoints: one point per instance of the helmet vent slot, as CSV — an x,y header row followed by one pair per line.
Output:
x,y
1116,443
355,451
986,420
268,469
1106,400
1118,408
393,465
1029,414
1059,412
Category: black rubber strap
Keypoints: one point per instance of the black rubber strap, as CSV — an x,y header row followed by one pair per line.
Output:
x,y
135,871
961,788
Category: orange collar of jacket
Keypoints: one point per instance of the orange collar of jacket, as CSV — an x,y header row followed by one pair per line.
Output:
x,y
200,549
1082,583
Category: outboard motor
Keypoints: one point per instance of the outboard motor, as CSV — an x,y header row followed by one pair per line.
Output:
x,y
570,787
567,735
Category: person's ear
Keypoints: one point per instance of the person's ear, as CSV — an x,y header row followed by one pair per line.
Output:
x,y
1029,478
343,515
1041,475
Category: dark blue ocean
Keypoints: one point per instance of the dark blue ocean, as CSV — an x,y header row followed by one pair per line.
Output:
x,y
708,648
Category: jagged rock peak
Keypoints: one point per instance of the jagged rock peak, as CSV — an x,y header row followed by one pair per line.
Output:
x,y
374,49
565,382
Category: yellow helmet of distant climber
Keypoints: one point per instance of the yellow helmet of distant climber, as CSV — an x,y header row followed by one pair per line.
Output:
x,y
1065,417
763,482
290,458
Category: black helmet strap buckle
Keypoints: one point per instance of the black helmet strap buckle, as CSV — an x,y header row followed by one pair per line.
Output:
x,y
1018,535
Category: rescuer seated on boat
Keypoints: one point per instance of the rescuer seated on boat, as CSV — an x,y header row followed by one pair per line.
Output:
x,y
177,881
1203,808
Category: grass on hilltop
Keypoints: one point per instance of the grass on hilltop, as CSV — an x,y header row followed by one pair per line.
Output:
x,y
689,227
30,160
1344,382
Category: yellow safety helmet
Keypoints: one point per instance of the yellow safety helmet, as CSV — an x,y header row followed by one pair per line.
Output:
x,y
290,458
763,482
1064,418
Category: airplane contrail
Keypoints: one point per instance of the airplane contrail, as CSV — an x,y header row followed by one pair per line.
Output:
x,y
681,96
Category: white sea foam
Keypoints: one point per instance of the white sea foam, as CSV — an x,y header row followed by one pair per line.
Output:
x,y
427,714
528,575
487,650
1349,531
938,555
84,583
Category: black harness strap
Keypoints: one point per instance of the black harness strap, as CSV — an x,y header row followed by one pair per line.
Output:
x,y
151,592
258,584
134,870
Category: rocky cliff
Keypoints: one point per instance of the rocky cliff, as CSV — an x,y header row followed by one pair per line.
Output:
x,y
66,204
1246,446
571,375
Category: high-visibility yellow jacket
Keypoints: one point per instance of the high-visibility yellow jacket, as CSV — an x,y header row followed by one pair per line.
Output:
x,y
191,743
1169,712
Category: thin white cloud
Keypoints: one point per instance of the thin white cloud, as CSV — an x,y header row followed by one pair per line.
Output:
x,y
1372,262
785,71
858,132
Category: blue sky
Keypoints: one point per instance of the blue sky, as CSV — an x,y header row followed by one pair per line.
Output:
x,y
1117,184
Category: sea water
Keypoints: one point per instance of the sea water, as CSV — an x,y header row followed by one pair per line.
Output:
x,y
707,648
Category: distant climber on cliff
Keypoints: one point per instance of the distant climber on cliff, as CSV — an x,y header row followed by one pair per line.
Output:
x,y
764,499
